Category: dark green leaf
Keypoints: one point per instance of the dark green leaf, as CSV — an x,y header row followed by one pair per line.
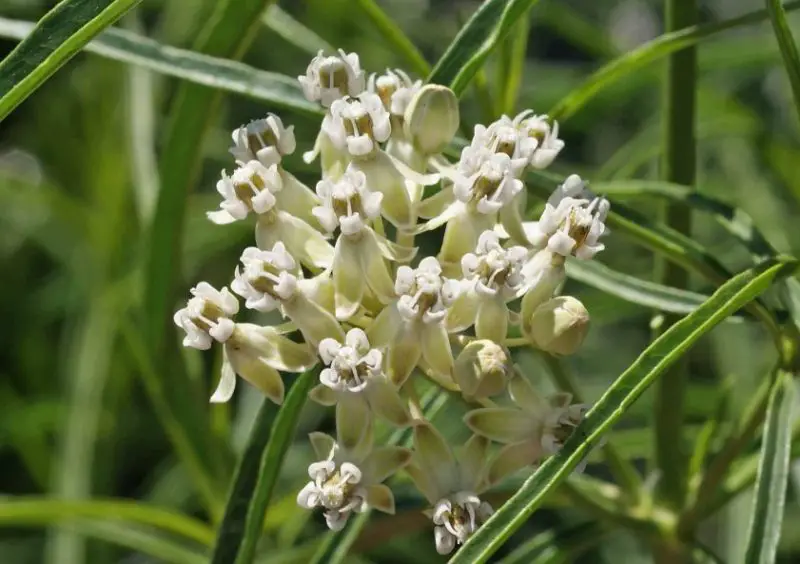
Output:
x,y
791,58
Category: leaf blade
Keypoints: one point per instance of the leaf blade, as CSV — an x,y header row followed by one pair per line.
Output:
x,y
788,47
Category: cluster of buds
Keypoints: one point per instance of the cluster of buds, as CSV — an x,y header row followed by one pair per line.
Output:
x,y
375,316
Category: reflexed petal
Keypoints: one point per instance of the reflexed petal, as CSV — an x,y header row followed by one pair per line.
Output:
x,y
492,319
381,498
383,176
352,420
501,424
512,458
385,401
297,198
304,242
323,395
348,279
374,267
463,312
436,349
511,218
269,345
394,252
267,233
385,327
424,483
525,395
461,235
227,383
322,444
450,213
436,204
385,461
220,217
403,356
314,322
472,462
435,457
259,374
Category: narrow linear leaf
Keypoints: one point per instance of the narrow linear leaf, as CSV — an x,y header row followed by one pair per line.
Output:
x,y
788,47
31,511
61,33
541,546
257,473
394,37
661,354
293,32
773,475
645,55
484,31
127,47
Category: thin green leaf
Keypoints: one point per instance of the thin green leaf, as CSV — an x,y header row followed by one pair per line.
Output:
x,y
61,33
647,54
120,45
791,58
487,27
662,353
773,475
707,436
512,66
542,545
257,473
294,32
394,37
35,511
634,290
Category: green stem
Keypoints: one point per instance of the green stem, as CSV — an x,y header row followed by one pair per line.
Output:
x,y
678,166
622,469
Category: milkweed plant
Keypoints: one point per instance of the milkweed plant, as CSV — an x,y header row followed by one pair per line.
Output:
x,y
338,261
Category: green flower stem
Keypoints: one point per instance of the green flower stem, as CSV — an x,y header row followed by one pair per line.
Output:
x,y
678,165
622,469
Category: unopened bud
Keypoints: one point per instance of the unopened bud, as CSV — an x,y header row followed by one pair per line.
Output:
x,y
559,325
482,369
545,273
432,118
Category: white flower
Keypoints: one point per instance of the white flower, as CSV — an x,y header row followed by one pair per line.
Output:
x,y
328,79
252,187
536,428
494,276
354,381
492,186
395,90
347,203
572,223
269,281
413,327
265,140
350,480
357,125
207,316
549,145
452,483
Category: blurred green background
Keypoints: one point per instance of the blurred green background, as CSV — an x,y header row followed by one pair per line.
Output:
x,y
78,178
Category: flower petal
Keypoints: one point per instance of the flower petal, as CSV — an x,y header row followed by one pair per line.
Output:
x,y
511,218
525,395
472,462
463,312
384,327
436,204
382,176
436,349
512,458
461,235
352,420
304,242
491,321
504,425
385,401
394,252
435,458
423,482
374,267
258,373
385,461
323,445
269,345
297,198
227,383
403,356
348,279
380,497
314,322
323,395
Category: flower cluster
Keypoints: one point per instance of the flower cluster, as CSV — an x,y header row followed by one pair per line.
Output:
x,y
375,316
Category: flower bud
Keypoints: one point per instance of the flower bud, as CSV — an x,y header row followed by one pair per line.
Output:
x,y
482,369
559,325
432,118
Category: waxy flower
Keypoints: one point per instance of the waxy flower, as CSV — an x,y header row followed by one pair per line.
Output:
x,y
413,327
357,125
358,263
559,325
451,482
264,140
354,381
536,428
395,89
432,119
254,353
254,187
350,480
493,276
328,79
543,273
268,280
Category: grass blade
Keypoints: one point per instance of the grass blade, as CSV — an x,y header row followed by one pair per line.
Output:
x,y
258,471
124,46
61,33
791,58
662,353
484,31
294,32
647,54
394,37
773,475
